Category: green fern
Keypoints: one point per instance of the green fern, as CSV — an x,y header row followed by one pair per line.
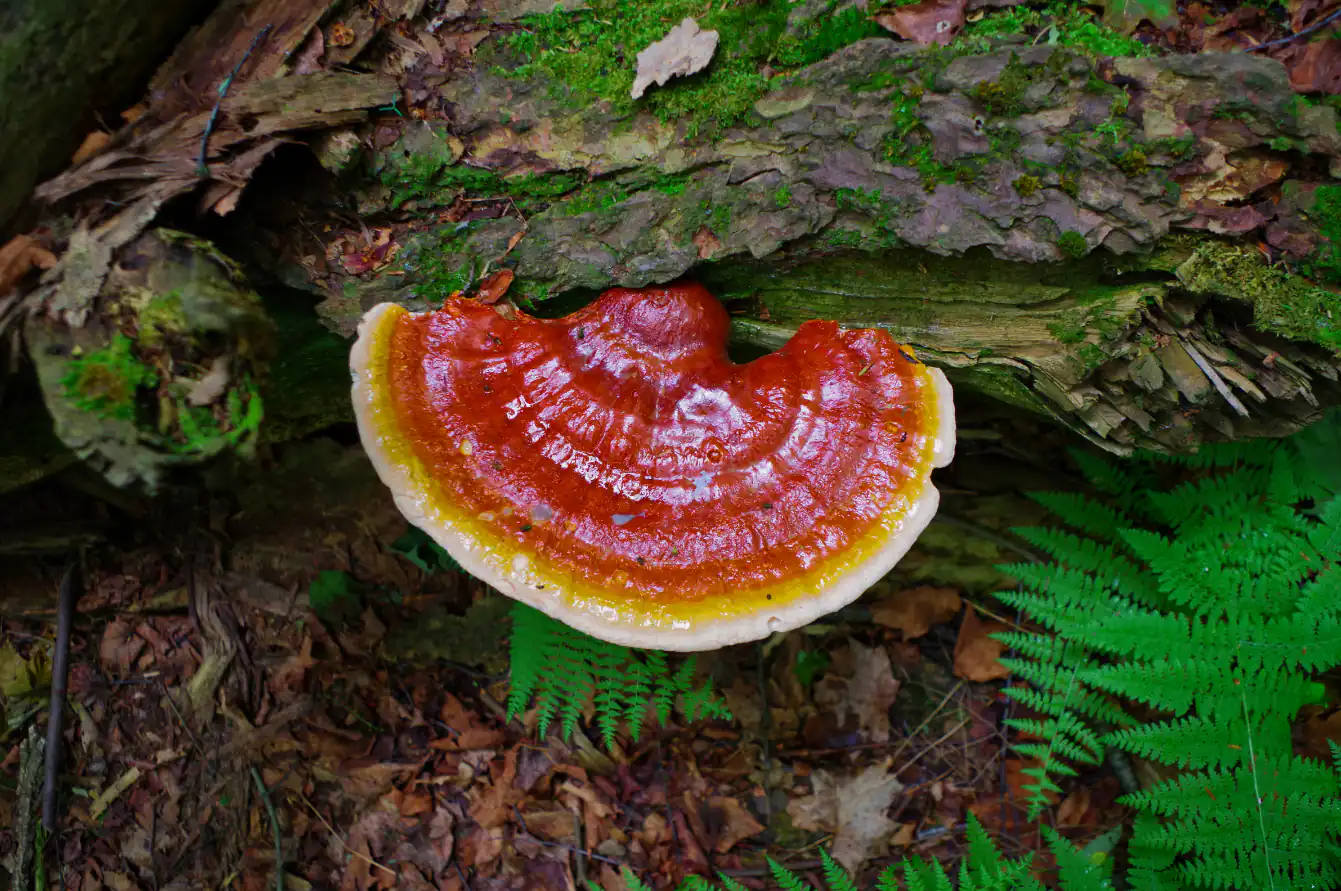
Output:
x,y
562,671
984,869
1214,603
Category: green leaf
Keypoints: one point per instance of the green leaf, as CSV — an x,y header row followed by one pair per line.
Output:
x,y
21,678
335,597
1125,15
421,550
810,664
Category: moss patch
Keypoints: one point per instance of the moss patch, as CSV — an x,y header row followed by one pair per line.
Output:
x,y
107,382
589,56
1286,304
1066,24
1072,244
909,143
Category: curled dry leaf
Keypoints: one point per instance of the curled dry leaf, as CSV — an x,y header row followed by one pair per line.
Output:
x,y
978,656
211,387
685,50
120,647
20,255
93,143
707,243
854,808
736,823
867,694
495,286
925,23
914,610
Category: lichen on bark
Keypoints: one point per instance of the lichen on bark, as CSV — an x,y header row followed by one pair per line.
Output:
x,y
845,185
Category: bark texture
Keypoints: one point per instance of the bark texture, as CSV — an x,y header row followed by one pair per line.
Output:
x,y
63,60
1055,230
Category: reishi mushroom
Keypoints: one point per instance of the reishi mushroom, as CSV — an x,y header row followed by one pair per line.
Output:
x,y
615,470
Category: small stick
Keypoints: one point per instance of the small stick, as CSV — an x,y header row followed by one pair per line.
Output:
x,y
1321,23
274,828
203,169
359,854
60,675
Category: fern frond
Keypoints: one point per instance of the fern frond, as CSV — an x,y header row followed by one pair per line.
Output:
x,y
834,875
1084,514
786,879
1111,568
631,880
563,671
1076,870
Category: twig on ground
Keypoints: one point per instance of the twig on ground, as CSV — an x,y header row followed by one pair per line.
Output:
x,y
203,168
560,845
1320,23
274,827
60,675
344,844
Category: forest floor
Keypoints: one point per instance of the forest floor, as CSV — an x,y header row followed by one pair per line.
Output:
x,y
381,740
266,674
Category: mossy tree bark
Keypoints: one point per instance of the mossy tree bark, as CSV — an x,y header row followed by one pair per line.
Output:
x,y
1056,230
1116,243
61,61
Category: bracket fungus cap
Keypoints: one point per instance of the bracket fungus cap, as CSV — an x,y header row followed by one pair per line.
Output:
x,y
615,470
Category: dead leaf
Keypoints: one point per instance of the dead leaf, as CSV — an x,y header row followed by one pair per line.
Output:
x,y
872,690
495,286
212,386
341,35
914,610
22,677
855,808
1316,731
904,836
1073,810
1314,66
379,253
228,203
683,51
734,822
706,242
18,257
925,23
867,694
120,647
93,143
977,656
470,732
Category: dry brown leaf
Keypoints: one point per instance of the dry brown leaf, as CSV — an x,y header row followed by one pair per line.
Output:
x,y
210,388
1074,807
120,647
925,23
735,821
855,808
904,836
706,242
228,203
495,286
872,690
683,51
978,656
914,610
93,143
1316,731
867,694
18,257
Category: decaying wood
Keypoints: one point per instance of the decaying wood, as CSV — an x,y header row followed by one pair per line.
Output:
x,y
1060,232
